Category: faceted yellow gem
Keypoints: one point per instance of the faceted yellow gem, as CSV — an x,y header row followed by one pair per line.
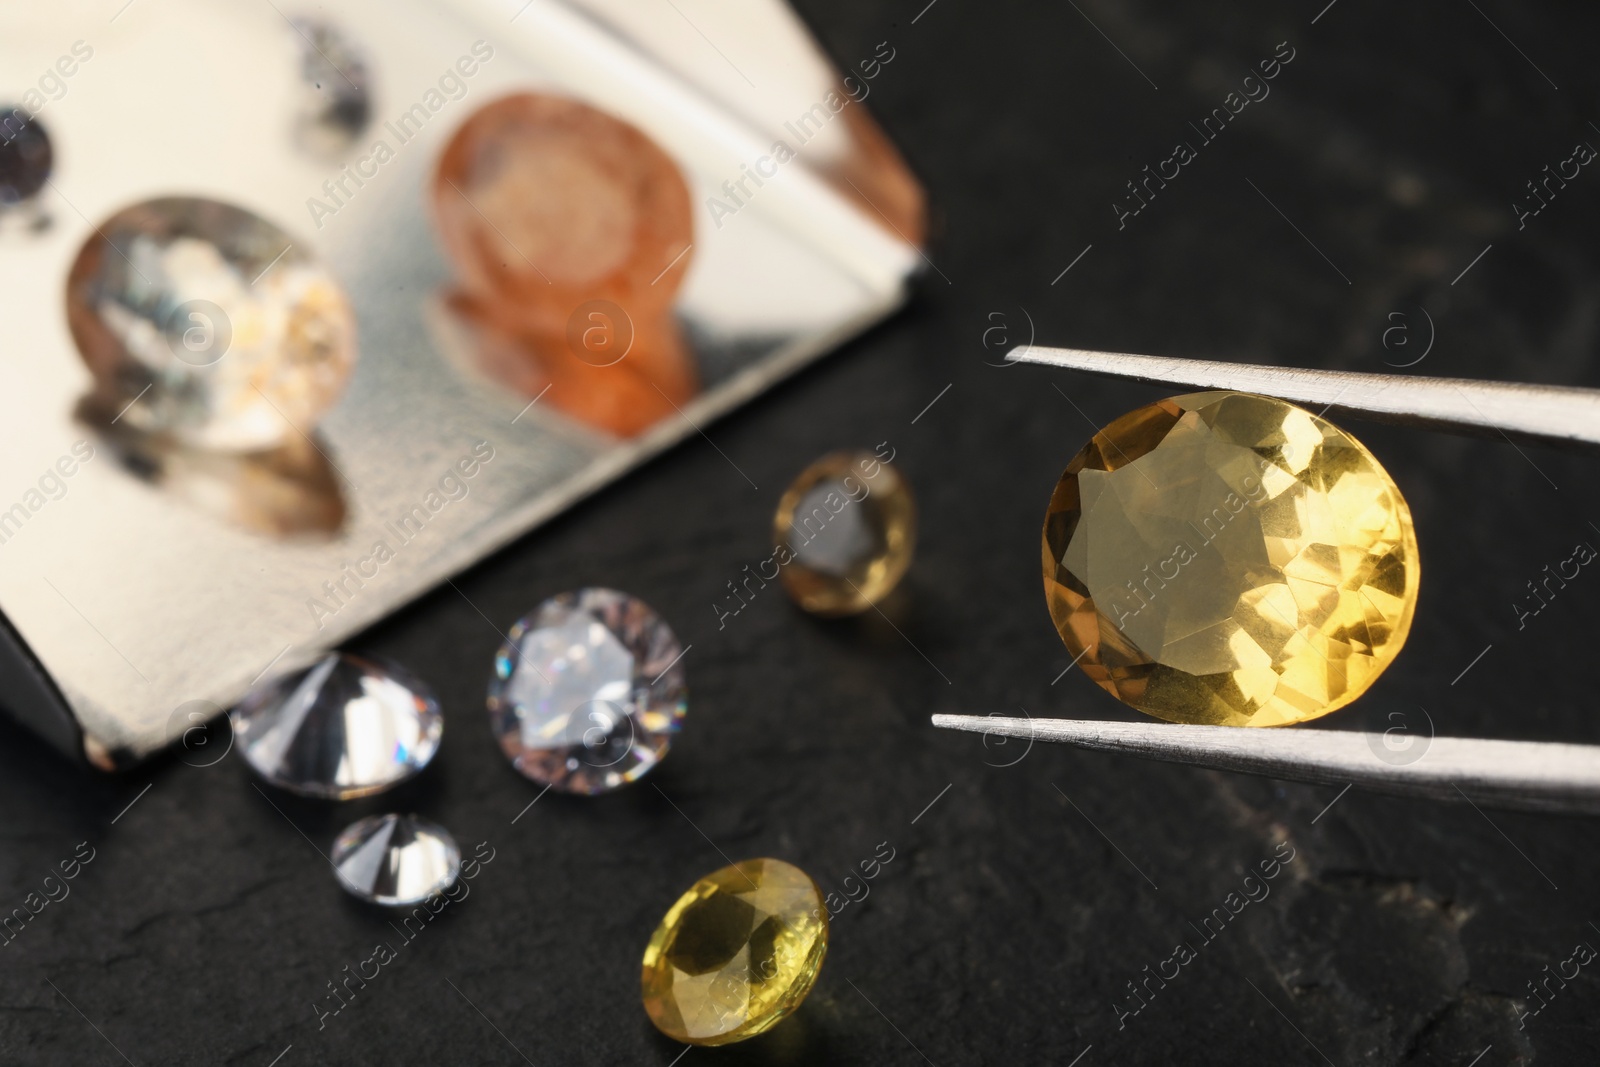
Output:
x,y
844,533
737,952
1230,559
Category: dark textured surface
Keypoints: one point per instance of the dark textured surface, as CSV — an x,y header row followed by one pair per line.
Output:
x,y
1011,919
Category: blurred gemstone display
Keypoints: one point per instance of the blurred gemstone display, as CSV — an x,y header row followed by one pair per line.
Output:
x,y
25,156
396,860
588,692
1229,559
202,321
343,727
738,952
844,533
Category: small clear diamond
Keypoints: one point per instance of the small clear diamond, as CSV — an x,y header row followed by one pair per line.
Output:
x,y
396,860
588,691
343,727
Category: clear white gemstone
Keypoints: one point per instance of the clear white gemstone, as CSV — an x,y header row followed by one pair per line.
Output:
x,y
588,691
343,727
396,860
203,322
336,88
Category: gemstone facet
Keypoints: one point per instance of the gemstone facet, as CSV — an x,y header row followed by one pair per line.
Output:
x,y
588,691
738,952
1229,559
344,727
395,860
205,322
844,533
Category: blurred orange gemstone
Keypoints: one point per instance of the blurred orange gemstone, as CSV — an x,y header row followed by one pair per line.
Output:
x,y
570,231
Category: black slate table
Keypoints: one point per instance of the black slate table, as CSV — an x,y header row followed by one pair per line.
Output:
x,y
1375,187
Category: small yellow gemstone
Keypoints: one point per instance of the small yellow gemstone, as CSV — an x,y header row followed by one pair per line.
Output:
x,y
844,533
737,952
1230,559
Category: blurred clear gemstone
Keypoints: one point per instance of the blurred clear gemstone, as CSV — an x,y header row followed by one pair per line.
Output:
x,y
396,859
343,727
25,156
205,322
588,691
336,88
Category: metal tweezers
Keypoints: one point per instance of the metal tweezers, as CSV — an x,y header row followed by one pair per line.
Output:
x,y
1528,775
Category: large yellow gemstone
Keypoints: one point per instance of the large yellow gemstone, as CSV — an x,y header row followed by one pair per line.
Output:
x,y
1231,559
737,952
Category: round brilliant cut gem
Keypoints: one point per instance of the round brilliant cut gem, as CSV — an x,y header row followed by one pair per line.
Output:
x,y
844,533
206,323
738,952
588,691
344,727
1229,559
396,860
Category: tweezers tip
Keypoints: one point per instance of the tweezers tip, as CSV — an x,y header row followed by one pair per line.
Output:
x,y
1023,354
971,723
